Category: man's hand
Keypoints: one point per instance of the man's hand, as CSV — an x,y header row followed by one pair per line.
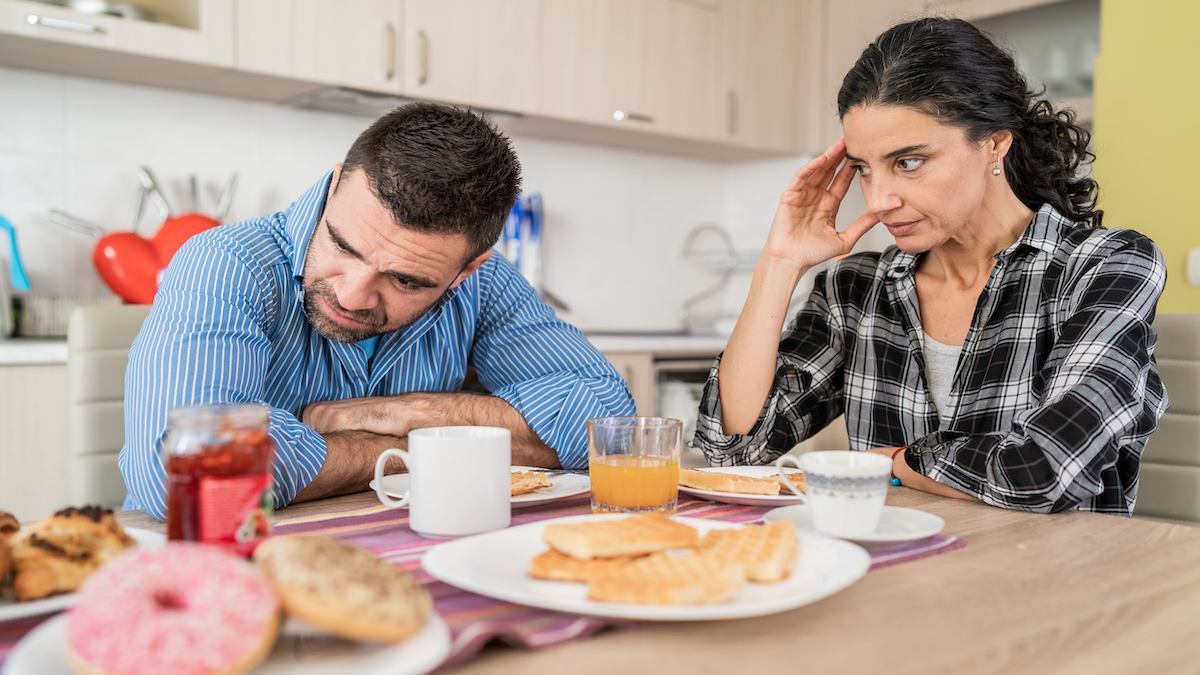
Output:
x,y
382,415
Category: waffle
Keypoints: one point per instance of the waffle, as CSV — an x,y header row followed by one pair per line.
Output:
x,y
717,481
524,482
797,478
665,579
764,552
637,535
557,566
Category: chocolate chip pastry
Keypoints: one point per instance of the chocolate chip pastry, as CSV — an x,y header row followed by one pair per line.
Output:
x,y
57,554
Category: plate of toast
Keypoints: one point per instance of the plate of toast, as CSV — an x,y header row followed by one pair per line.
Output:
x,y
530,485
748,485
651,567
43,563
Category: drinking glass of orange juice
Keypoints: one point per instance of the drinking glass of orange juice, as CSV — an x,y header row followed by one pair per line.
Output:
x,y
634,463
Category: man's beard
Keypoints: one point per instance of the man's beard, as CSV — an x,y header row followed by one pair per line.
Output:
x,y
331,330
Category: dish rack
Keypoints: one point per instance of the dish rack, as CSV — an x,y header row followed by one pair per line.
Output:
x,y
720,255
49,315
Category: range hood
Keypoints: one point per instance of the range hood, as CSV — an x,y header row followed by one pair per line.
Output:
x,y
358,103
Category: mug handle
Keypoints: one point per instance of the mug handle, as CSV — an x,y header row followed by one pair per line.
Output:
x,y
380,463
779,464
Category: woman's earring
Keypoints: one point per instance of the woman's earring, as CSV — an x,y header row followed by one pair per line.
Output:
x,y
996,170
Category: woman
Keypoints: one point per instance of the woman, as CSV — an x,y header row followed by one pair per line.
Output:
x,y
1002,350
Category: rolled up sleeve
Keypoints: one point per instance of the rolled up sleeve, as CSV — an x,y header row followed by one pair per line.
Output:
x,y
205,342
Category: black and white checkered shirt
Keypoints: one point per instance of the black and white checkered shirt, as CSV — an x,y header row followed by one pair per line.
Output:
x,y
1054,396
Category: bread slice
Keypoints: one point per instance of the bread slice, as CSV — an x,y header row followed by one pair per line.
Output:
x,y
524,482
637,535
764,552
797,478
717,481
557,566
666,579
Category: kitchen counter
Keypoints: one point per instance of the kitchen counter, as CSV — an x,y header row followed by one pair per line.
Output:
x,y
33,351
659,344
42,351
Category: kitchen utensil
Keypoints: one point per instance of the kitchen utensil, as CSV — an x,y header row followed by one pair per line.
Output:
x,y
75,223
226,199
20,280
157,196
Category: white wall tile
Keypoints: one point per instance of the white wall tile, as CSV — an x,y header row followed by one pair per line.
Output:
x,y
615,225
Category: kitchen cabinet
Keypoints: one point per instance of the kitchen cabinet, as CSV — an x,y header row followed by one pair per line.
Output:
x,y
486,54
851,25
766,53
191,31
322,42
34,454
638,370
644,64
980,9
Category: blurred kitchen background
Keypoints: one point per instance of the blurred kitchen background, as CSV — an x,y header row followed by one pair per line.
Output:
x,y
658,134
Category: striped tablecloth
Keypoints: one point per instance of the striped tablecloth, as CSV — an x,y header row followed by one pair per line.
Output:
x,y
474,619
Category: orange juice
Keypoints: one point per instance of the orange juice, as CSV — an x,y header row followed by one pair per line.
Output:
x,y
634,483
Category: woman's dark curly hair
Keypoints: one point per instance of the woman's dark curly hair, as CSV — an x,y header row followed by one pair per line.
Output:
x,y
949,69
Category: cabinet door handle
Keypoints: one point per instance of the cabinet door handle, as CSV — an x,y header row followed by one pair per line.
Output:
x,y
389,70
626,115
423,56
733,110
63,24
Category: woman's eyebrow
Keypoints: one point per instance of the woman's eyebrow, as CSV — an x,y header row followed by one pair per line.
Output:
x,y
895,153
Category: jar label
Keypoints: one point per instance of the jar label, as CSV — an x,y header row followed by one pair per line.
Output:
x,y
234,510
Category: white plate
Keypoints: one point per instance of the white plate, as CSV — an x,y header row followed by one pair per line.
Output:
x,y
895,524
562,485
11,609
738,498
824,567
44,652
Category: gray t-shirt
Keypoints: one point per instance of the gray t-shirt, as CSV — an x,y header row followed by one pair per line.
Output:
x,y
940,362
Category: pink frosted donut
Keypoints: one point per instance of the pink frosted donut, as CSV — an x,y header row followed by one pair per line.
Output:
x,y
186,608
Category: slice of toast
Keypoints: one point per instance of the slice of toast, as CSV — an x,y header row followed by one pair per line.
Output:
x,y
717,481
764,552
557,566
666,579
797,478
524,482
636,535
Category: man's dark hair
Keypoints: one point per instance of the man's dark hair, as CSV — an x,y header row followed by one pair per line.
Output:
x,y
440,169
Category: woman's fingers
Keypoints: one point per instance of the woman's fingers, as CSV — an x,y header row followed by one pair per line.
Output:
x,y
857,229
820,169
841,182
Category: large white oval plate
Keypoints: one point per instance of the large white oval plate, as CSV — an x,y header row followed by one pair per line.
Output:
x,y
824,567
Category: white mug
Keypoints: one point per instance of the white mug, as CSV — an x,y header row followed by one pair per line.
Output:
x,y
459,480
845,490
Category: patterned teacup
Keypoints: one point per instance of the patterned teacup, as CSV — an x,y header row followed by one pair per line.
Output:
x,y
845,490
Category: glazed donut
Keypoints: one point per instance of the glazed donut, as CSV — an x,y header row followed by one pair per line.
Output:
x,y
185,608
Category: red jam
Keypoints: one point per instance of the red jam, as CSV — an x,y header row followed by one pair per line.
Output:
x,y
219,477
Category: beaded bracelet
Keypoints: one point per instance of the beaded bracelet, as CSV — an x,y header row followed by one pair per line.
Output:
x,y
895,478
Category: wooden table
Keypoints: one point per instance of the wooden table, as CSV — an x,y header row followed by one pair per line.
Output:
x,y
1072,592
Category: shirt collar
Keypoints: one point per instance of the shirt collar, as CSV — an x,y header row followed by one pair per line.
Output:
x,y
300,221
1042,235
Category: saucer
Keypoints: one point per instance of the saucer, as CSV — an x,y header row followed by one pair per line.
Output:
x,y
895,523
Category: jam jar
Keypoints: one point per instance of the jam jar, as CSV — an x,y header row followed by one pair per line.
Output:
x,y
218,461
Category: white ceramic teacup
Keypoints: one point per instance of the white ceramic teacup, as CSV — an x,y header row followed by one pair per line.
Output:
x,y
844,489
459,480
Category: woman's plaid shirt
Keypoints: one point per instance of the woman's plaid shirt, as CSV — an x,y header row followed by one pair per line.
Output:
x,y
1054,396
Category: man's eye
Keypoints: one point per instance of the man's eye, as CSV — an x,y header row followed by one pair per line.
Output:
x,y
910,163
862,169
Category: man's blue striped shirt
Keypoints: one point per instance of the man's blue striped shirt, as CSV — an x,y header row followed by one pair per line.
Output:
x,y
228,326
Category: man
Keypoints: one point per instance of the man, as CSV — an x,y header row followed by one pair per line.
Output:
x,y
356,313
